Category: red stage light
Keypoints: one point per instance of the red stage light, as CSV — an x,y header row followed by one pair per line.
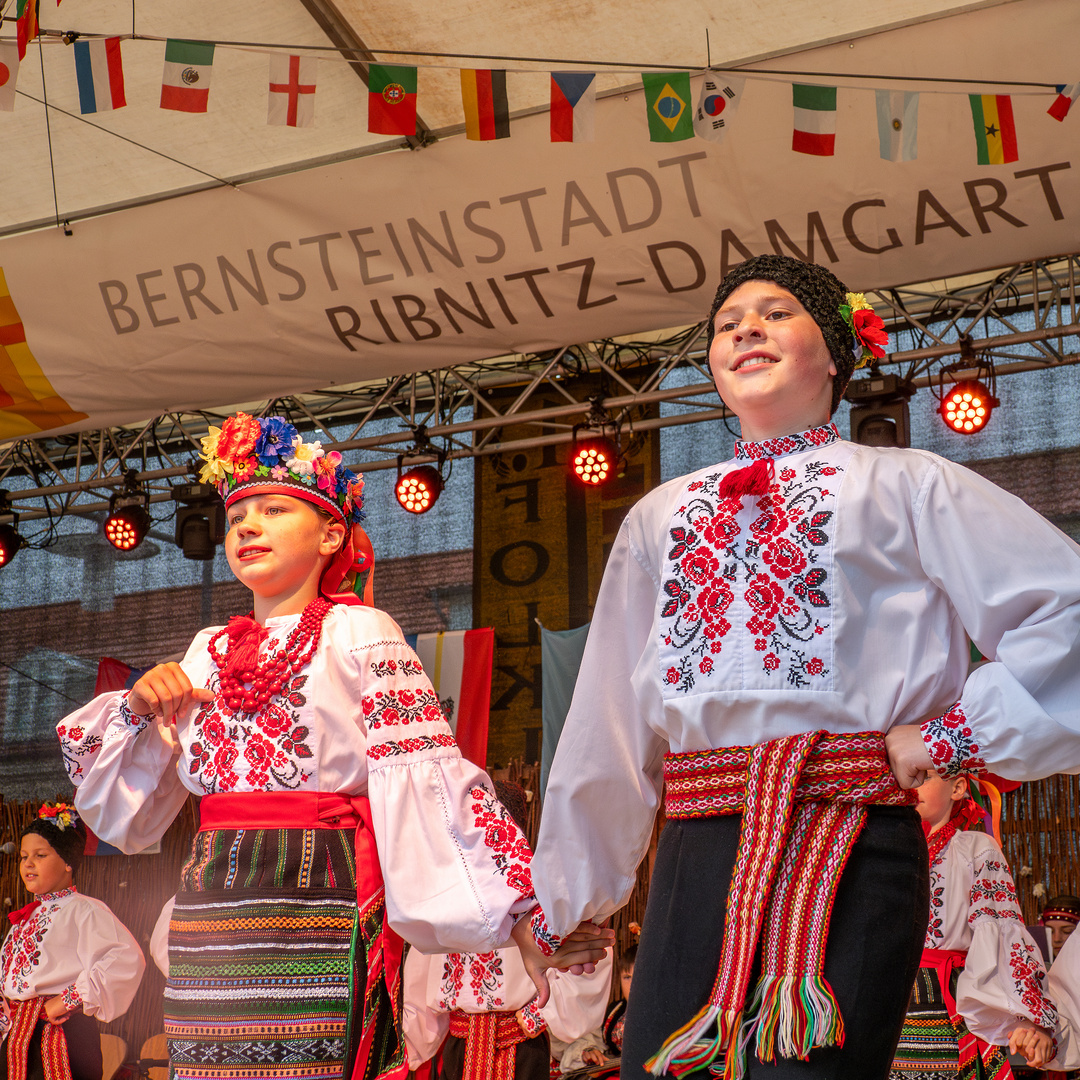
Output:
x,y
127,526
593,459
419,489
966,407
10,542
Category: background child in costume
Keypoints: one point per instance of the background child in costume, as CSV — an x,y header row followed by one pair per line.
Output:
x,y
808,591
981,986
1060,915
334,796
603,1046
480,1008
67,961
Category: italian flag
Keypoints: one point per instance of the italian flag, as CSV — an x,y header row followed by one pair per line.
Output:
x,y
995,130
185,86
815,119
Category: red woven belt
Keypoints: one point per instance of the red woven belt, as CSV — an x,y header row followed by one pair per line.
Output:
x,y
490,1040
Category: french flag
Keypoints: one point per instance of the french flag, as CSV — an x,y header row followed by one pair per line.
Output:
x,y
1059,109
100,75
458,663
573,106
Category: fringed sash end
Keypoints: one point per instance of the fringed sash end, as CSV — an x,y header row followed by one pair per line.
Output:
x,y
688,1050
792,1015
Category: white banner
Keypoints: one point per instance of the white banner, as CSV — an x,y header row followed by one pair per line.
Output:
x,y
418,260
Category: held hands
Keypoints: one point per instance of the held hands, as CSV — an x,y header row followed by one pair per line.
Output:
x,y
56,1010
166,691
908,757
1034,1043
579,952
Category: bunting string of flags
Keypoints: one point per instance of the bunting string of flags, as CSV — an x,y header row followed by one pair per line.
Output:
x,y
393,89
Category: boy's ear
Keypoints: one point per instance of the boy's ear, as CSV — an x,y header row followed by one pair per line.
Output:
x,y
333,537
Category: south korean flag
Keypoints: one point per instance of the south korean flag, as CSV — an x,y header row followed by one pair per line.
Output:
x,y
719,98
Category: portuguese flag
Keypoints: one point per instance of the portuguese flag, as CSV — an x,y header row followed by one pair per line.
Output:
x,y
391,100
26,23
995,131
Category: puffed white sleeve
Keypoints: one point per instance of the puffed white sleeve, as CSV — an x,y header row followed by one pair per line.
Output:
x,y
604,787
112,962
1063,986
123,767
578,1002
1003,981
455,865
1014,580
424,1025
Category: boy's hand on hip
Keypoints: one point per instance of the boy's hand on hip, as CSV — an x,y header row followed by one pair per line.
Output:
x,y
908,757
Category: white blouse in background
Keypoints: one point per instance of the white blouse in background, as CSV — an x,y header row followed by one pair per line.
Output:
x,y
843,602
73,941
360,719
973,909
434,986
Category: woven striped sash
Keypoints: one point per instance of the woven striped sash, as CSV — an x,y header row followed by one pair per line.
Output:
x,y
490,1041
802,800
54,1051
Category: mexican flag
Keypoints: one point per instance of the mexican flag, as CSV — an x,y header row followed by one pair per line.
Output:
x,y
668,106
815,119
185,86
391,100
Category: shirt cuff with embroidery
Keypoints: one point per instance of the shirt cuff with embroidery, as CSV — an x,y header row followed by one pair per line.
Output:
x,y
131,718
71,998
951,744
546,940
531,1019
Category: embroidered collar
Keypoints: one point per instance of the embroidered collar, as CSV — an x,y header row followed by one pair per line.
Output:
x,y
58,895
787,444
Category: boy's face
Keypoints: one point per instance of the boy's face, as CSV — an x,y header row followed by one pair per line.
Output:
x,y
626,977
1060,929
770,362
41,867
276,543
937,798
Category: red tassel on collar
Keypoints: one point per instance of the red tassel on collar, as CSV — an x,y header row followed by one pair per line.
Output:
x,y
23,913
755,479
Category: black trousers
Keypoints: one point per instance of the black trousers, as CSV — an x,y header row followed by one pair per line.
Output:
x,y
873,951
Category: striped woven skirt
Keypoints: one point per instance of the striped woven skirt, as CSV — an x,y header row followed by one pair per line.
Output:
x,y
267,960
929,1047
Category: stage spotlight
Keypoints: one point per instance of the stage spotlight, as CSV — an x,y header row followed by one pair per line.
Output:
x,y
966,407
419,489
128,521
593,459
10,542
200,520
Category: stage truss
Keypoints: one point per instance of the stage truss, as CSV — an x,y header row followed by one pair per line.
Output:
x,y
1019,318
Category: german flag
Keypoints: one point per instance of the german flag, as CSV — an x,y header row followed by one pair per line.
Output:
x,y
483,96
995,131
28,403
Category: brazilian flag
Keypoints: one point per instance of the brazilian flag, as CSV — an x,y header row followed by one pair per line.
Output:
x,y
667,103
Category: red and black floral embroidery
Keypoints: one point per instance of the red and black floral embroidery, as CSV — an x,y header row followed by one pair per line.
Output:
x,y
532,1019
453,979
951,744
394,748
762,563
401,707
385,669
509,849
71,997
547,941
21,951
1027,975
994,885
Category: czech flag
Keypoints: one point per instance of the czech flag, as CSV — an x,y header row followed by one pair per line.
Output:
x,y
573,106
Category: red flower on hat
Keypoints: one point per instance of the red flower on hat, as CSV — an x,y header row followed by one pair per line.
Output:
x,y
239,434
244,469
870,331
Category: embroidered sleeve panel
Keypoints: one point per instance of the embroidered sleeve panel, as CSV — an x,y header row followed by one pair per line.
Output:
x,y
1028,978
547,941
993,894
532,1019
71,998
505,842
951,743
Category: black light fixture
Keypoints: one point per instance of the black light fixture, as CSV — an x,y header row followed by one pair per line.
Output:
x,y
966,405
879,410
10,540
200,520
129,517
594,455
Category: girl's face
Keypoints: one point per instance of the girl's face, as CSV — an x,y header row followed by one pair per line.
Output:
x,y
770,362
937,798
40,866
626,976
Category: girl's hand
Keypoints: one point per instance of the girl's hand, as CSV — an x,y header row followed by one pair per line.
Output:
x,y
56,1011
1036,1045
591,1056
166,691
578,953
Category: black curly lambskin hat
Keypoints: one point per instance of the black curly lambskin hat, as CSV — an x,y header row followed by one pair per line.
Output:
x,y
819,290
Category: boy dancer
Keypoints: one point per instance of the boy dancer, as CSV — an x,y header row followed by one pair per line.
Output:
x,y
761,626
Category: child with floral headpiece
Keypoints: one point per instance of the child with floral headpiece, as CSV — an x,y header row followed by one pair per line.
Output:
x,y
66,963
337,814
779,649
981,989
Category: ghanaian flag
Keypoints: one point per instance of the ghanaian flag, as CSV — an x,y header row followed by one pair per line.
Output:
x,y
995,131
28,403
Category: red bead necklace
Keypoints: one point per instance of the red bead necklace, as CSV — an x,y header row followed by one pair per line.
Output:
x,y
264,679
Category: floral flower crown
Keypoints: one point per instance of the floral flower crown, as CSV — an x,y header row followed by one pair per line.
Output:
x,y
247,455
60,814
866,327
